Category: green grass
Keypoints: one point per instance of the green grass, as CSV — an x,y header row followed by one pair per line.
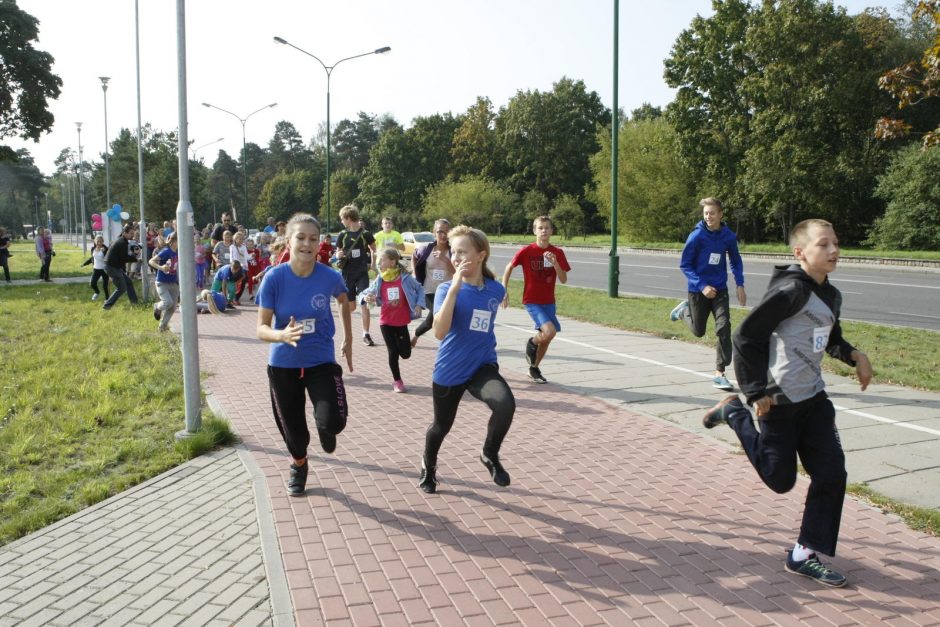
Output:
x,y
89,404
24,264
918,518
909,357
603,241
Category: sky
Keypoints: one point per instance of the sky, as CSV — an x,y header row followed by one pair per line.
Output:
x,y
444,54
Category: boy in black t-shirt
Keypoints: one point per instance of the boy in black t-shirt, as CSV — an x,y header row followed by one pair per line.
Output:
x,y
354,248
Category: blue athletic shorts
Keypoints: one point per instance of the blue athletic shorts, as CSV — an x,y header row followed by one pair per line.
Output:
x,y
541,314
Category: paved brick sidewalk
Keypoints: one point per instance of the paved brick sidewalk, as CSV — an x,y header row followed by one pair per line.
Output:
x,y
612,517
182,548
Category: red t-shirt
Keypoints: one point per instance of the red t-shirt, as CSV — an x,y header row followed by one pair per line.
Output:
x,y
395,310
325,252
539,276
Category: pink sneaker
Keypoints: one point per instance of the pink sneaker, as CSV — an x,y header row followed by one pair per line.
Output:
x,y
399,386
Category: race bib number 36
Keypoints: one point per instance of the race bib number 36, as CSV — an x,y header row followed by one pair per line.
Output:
x,y
480,320
308,326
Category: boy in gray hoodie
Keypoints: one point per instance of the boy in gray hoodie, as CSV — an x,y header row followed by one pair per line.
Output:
x,y
778,350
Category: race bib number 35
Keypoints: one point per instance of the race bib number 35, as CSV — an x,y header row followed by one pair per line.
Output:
x,y
480,320
308,326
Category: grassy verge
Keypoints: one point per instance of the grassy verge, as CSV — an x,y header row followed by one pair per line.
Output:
x,y
603,241
89,406
899,356
24,264
917,518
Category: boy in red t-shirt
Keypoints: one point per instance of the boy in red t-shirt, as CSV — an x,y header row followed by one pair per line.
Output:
x,y
541,264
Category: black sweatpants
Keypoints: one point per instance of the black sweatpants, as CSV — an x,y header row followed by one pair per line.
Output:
x,y
700,307
100,274
428,322
807,429
398,343
324,385
487,385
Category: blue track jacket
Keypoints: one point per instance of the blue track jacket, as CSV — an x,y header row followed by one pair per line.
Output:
x,y
703,258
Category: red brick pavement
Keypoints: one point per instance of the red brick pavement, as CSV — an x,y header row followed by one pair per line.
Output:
x,y
612,517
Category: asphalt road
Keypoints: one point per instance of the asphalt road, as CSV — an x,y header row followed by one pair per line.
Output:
x,y
908,297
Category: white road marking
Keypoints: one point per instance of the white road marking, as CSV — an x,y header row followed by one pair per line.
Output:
x,y
901,313
653,362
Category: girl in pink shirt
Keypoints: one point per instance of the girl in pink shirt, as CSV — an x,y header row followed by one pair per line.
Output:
x,y
400,296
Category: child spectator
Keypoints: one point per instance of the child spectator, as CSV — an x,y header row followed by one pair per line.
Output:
x,y
202,262
400,297
222,251
778,351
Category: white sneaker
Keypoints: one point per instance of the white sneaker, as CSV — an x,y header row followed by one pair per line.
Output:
x,y
94,297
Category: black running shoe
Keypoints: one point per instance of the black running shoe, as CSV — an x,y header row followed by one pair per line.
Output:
x,y
497,472
718,414
530,352
814,569
156,312
536,375
367,340
297,482
327,440
428,481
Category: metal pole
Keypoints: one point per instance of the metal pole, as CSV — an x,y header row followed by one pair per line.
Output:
x,y
613,282
65,211
144,267
107,165
81,188
244,169
187,259
328,204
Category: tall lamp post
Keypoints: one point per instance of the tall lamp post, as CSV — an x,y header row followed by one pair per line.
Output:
x,y
198,148
107,157
244,145
81,189
329,70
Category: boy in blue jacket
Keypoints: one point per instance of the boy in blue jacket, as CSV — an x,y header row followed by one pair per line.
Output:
x,y
778,350
706,267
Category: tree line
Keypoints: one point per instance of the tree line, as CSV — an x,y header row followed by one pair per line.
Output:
x,y
784,109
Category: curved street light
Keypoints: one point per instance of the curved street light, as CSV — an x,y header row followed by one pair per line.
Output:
x,y
196,150
244,145
107,157
329,70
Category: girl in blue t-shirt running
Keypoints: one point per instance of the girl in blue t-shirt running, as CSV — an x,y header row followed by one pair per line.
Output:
x,y
294,315
464,314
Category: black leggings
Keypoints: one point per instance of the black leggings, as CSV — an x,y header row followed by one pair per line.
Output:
x,y
487,385
324,385
398,343
44,269
100,274
700,307
428,322
806,429
6,267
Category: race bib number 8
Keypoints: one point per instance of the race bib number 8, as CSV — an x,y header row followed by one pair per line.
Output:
x,y
714,259
480,320
308,326
820,338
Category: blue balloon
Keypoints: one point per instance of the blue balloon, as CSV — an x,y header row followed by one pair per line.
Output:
x,y
117,207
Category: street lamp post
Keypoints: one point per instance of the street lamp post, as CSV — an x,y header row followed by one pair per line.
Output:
x,y
81,189
107,157
244,145
329,70
198,148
